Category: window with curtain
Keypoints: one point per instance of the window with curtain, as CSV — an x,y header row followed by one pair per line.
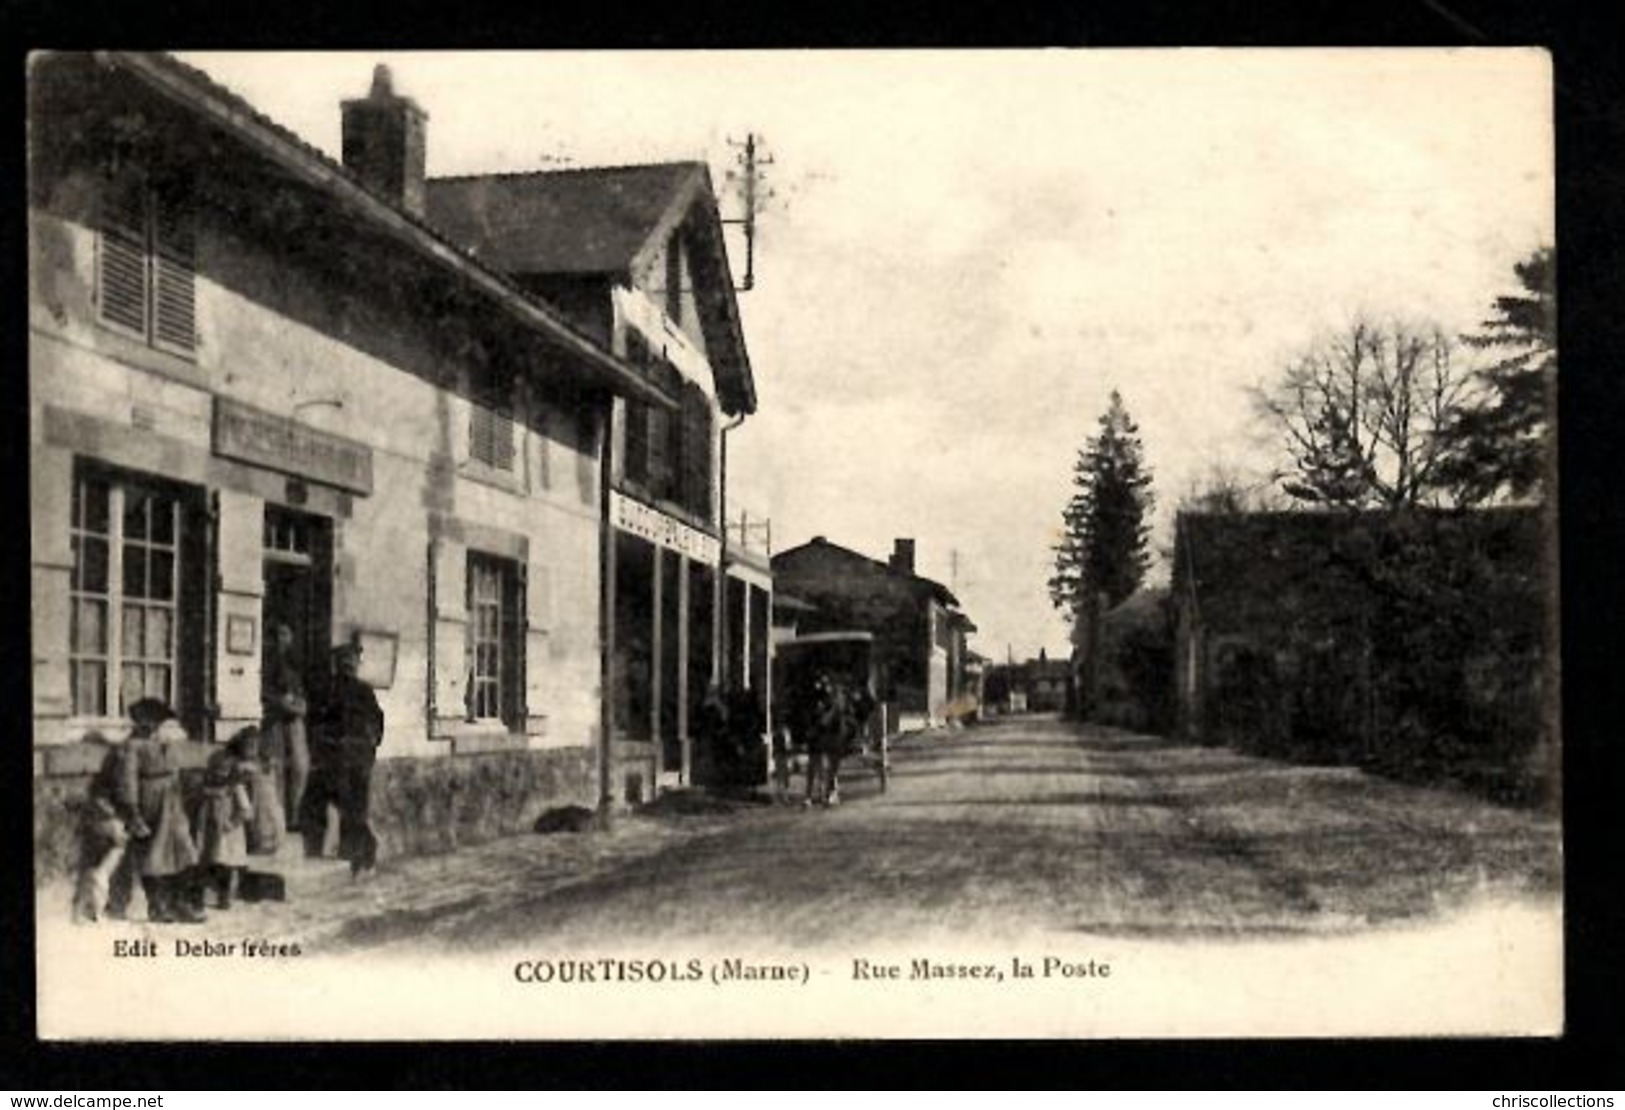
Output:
x,y
126,584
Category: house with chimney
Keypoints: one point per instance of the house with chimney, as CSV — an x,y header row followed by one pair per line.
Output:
x,y
265,389
924,667
1038,685
635,257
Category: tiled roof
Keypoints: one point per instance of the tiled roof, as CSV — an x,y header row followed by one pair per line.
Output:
x,y
585,221
786,558
598,220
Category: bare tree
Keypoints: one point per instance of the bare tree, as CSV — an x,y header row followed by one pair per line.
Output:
x,y
1361,412
1227,488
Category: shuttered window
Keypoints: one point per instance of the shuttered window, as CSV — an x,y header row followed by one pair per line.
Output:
x,y
145,281
696,452
490,418
637,441
635,454
490,438
662,462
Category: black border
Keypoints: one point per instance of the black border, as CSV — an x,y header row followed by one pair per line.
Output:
x,y
1591,182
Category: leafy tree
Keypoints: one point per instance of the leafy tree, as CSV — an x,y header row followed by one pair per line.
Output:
x,y
1360,414
1496,444
1103,549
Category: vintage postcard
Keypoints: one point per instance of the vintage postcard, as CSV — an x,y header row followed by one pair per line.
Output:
x,y
1044,544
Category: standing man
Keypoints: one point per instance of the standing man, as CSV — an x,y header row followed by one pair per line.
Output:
x,y
351,726
287,748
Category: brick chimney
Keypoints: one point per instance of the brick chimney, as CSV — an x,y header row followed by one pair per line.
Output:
x,y
902,556
384,143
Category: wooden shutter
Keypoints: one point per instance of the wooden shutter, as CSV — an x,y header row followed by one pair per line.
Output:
x,y
636,463
491,438
661,464
174,302
448,665
697,452
536,619
544,446
635,449
121,260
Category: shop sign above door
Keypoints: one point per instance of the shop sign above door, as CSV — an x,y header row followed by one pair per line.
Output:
x,y
638,519
278,443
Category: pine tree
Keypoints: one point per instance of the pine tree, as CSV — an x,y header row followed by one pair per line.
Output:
x,y
1338,473
1104,544
1498,445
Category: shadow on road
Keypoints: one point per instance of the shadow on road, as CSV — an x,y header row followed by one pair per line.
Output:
x,y
996,831
1050,799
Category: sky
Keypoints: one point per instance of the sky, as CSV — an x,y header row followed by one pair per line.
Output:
x,y
965,252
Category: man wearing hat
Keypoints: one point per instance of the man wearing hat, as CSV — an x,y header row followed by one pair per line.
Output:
x,y
350,726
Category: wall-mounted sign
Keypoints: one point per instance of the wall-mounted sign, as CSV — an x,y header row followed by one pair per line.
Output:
x,y
241,638
637,519
276,442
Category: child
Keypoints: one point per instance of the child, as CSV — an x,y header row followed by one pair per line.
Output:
x,y
102,840
161,849
266,819
223,816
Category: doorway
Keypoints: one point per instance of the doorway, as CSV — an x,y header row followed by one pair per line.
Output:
x,y
298,559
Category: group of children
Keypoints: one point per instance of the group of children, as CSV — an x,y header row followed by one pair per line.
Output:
x,y
138,823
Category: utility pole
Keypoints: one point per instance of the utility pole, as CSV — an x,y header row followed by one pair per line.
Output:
x,y
754,193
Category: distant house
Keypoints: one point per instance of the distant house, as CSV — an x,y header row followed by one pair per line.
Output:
x,y
1046,681
1035,686
918,626
1408,642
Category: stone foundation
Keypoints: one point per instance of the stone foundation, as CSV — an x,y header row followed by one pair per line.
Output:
x,y
419,805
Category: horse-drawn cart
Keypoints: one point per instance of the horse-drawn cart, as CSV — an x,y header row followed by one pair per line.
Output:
x,y
846,659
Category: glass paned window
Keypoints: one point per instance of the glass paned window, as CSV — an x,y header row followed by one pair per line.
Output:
x,y
286,535
124,589
495,671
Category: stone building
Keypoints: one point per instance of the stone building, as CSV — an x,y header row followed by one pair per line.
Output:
x,y
919,629
264,389
635,256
